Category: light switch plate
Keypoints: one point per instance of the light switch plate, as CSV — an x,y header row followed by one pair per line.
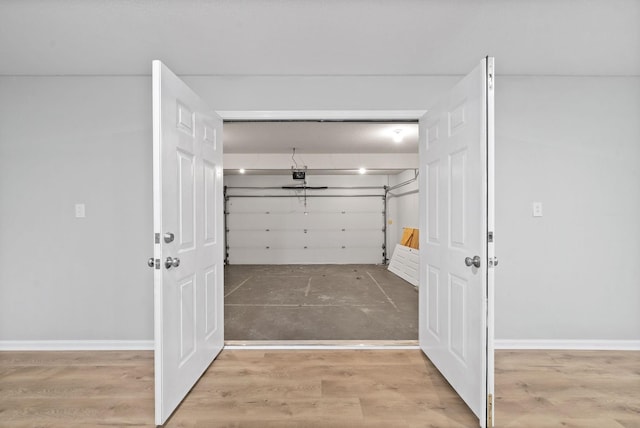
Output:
x,y
537,209
80,211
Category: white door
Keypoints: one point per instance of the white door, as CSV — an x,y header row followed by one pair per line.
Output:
x,y
456,215
188,251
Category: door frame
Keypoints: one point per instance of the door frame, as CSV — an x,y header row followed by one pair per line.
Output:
x,y
365,115
266,115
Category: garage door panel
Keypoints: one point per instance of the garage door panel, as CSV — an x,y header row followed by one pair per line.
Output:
x,y
350,221
296,239
349,238
271,220
314,204
352,205
262,239
240,204
354,255
264,221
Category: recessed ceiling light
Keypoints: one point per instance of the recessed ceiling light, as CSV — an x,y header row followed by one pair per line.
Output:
x,y
362,170
241,171
398,135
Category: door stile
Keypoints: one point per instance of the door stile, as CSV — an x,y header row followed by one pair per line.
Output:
x,y
492,261
157,225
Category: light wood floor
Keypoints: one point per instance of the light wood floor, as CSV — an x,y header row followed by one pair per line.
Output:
x,y
568,389
534,389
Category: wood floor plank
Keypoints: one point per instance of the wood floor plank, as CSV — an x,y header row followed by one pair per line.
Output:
x,y
238,388
418,410
74,358
217,411
375,389
568,388
56,410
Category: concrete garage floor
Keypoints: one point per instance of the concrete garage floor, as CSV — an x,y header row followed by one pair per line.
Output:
x,y
318,302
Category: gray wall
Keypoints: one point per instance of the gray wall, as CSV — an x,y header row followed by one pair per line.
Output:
x,y
62,141
571,143
403,209
574,145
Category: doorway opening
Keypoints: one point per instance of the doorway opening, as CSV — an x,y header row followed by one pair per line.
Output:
x,y
456,212
313,212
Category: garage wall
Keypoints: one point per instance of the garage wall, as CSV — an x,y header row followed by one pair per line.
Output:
x,y
282,230
403,207
571,143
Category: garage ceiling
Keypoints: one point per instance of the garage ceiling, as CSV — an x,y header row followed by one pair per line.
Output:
x,y
350,37
319,137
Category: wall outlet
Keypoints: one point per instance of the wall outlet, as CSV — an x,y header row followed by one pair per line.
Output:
x,y
537,209
80,211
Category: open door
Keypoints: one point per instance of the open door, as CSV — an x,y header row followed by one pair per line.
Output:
x,y
456,247
188,250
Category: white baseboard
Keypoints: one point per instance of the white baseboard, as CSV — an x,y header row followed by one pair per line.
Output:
x,y
595,345
76,345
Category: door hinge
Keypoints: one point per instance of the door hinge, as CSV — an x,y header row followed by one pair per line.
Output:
x,y
157,238
490,411
489,236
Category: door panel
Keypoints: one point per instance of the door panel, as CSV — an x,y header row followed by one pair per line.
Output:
x,y
187,203
186,198
455,322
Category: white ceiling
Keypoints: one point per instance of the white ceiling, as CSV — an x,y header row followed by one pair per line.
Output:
x,y
318,137
348,37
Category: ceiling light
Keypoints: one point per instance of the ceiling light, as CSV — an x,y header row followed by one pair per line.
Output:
x,y
241,171
362,170
398,135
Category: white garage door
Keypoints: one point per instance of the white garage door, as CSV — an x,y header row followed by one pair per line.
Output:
x,y
281,230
